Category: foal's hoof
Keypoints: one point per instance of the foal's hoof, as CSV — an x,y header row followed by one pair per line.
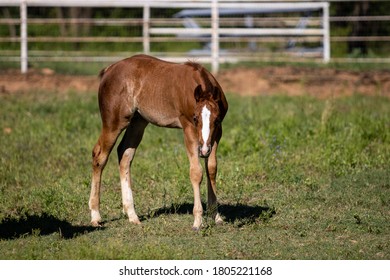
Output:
x,y
134,221
96,224
196,229
218,220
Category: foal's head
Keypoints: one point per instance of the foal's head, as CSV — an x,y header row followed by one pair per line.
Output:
x,y
206,118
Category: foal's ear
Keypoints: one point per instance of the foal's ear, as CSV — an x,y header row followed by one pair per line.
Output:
x,y
198,93
216,94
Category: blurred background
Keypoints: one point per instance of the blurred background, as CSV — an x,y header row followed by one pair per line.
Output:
x,y
89,34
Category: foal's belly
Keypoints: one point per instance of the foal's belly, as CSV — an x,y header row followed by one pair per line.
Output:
x,y
162,107
159,118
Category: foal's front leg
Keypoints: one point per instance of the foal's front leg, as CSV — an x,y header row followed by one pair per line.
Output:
x,y
211,172
196,180
195,173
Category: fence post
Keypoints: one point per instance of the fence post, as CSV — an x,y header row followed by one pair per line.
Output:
x,y
145,31
326,38
214,37
23,37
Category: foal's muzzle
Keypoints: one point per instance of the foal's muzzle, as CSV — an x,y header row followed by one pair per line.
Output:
x,y
204,151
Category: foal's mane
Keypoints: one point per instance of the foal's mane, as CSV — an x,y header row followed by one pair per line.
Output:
x,y
208,86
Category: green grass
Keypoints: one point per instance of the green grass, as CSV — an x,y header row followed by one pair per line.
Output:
x,y
299,178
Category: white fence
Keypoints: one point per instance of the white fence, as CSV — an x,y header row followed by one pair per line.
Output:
x,y
211,33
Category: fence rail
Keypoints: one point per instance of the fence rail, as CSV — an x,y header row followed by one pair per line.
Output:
x,y
283,25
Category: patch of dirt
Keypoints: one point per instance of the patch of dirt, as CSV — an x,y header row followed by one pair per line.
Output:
x,y
295,81
12,81
322,83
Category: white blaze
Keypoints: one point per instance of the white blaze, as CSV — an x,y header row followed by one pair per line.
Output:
x,y
205,126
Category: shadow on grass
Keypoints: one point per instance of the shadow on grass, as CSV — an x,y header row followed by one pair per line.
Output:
x,y
238,214
11,228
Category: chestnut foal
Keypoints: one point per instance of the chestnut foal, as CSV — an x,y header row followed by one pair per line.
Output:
x,y
142,89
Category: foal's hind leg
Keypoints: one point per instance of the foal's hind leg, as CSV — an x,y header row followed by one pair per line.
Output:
x,y
100,154
126,152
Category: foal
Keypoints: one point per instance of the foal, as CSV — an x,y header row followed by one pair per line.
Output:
x,y
141,90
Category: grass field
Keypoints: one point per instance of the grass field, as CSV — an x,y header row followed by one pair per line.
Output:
x,y
299,178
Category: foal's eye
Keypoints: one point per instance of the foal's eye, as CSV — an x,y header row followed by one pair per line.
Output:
x,y
195,120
